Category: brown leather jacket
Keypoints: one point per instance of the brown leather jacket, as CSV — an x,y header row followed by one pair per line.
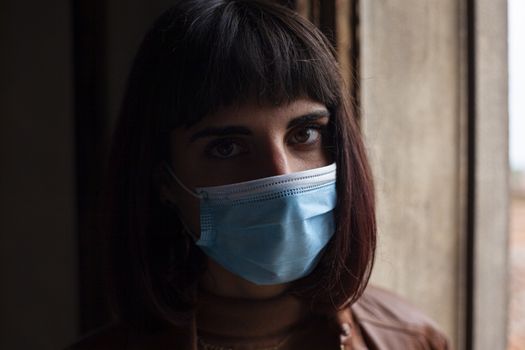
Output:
x,y
388,322
379,320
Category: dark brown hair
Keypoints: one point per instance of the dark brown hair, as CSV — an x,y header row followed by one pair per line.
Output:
x,y
199,56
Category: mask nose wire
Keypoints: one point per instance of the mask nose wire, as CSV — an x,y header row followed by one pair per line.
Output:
x,y
186,188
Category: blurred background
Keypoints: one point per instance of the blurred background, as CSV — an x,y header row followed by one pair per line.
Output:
x,y
431,83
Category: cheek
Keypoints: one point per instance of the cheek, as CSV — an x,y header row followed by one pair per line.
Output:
x,y
316,159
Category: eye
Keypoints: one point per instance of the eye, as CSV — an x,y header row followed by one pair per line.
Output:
x,y
225,148
306,135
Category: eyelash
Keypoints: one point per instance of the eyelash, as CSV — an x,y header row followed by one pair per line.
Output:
x,y
320,128
208,151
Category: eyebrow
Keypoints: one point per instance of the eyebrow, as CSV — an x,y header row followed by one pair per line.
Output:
x,y
310,117
220,131
241,130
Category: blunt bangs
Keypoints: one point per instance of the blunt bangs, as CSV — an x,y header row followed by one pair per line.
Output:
x,y
213,54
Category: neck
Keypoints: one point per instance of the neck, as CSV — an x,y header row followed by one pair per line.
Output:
x,y
219,281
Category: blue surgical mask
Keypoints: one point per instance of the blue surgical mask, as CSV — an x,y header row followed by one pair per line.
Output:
x,y
271,230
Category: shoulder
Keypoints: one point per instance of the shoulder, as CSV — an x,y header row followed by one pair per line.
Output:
x,y
388,321
114,337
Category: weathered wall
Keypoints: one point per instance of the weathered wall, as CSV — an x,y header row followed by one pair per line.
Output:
x,y
411,84
434,100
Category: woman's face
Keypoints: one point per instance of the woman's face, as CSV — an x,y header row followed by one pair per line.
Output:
x,y
241,143
247,142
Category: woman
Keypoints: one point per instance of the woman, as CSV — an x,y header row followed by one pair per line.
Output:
x,y
241,207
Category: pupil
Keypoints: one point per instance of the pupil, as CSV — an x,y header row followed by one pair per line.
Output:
x,y
304,135
225,149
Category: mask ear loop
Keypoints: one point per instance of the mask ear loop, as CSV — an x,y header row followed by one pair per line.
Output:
x,y
188,230
176,209
187,189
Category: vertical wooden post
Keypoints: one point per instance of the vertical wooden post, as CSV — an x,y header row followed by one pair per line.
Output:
x,y
327,19
343,38
91,124
38,255
287,3
490,174
303,7
315,12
